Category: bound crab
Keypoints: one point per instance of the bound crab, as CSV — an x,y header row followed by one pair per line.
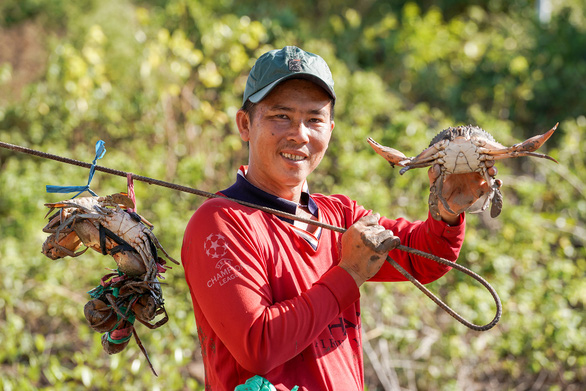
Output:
x,y
101,223
464,150
117,303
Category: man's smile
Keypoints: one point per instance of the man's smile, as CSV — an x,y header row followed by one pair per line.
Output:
x,y
291,156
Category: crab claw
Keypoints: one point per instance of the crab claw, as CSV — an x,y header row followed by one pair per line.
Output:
x,y
527,147
393,156
533,143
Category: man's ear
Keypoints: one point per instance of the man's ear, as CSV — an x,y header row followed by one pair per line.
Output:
x,y
243,123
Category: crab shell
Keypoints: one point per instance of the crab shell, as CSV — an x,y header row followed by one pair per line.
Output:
x,y
461,151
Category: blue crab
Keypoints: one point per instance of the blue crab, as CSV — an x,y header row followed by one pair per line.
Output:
x,y
464,150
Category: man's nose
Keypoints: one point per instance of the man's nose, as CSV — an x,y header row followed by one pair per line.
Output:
x,y
299,132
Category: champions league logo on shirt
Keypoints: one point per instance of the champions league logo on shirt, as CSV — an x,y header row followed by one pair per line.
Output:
x,y
215,246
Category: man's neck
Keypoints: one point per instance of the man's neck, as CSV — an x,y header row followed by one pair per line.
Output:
x,y
291,192
243,190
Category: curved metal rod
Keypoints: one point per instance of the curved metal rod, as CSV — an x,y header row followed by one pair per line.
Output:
x,y
441,304
202,193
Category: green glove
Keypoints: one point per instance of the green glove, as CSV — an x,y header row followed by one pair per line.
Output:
x,y
258,383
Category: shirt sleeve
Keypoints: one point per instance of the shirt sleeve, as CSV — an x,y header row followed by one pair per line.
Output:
x,y
431,236
225,268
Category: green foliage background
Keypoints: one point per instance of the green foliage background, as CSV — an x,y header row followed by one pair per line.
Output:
x,y
160,82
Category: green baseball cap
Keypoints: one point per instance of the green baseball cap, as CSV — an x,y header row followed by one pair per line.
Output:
x,y
290,62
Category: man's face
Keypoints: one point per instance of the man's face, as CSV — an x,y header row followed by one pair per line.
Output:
x,y
288,135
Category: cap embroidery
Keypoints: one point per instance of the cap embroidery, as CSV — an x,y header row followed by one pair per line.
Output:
x,y
295,65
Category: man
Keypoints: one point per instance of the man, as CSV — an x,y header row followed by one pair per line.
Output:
x,y
278,298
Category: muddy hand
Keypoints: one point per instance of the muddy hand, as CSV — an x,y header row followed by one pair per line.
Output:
x,y
460,190
365,246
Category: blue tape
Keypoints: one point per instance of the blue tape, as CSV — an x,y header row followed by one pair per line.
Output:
x,y
100,152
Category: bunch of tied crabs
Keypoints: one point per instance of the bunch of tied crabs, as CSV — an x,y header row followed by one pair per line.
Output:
x,y
130,293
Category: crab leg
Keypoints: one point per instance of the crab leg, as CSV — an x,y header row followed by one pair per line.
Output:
x,y
440,195
143,350
65,224
159,246
432,202
431,160
498,155
490,180
428,157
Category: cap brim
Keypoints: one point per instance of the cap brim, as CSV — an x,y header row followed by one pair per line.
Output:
x,y
259,95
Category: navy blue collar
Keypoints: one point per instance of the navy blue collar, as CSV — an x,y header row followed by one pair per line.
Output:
x,y
245,191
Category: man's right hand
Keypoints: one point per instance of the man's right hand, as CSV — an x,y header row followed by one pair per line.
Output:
x,y
365,246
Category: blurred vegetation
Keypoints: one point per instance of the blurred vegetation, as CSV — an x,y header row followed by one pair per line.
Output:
x,y
160,82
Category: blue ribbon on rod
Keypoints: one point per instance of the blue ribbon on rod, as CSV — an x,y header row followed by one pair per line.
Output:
x,y
100,152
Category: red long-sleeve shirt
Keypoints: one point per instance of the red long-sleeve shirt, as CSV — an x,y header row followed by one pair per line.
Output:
x,y
267,302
